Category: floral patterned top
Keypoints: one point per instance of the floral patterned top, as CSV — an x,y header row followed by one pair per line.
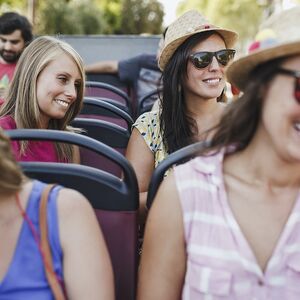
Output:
x,y
148,125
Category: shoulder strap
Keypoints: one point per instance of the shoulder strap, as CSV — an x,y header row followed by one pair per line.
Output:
x,y
46,252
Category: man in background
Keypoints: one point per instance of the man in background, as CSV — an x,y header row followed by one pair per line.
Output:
x,y
15,35
141,72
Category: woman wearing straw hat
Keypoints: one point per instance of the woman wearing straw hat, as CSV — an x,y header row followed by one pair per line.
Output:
x,y
193,59
234,228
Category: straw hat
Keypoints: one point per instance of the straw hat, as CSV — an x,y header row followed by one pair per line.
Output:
x,y
279,37
190,23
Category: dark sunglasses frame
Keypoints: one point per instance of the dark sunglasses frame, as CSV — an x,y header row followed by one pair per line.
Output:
x,y
296,75
202,59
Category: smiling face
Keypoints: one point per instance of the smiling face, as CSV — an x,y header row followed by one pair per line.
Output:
x,y
280,120
207,83
11,46
57,88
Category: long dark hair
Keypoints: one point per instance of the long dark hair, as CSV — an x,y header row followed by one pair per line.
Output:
x,y
177,128
239,123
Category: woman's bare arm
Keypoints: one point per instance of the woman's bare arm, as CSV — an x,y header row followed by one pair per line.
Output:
x,y
142,160
87,268
163,261
109,66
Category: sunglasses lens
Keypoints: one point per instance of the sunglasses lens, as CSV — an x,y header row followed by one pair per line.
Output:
x,y
297,89
202,59
296,75
224,56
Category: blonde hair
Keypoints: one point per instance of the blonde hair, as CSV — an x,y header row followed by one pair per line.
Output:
x,y
11,176
22,103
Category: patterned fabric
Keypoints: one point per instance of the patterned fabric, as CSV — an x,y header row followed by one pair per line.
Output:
x,y
25,277
6,74
148,125
220,262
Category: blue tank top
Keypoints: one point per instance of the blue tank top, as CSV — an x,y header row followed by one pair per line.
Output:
x,y
25,277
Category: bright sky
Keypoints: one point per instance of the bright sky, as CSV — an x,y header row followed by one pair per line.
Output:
x,y
171,5
170,10
288,4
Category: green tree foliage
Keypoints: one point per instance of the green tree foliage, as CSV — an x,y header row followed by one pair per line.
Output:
x,y
138,16
243,16
69,17
90,18
111,13
52,18
12,5
141,16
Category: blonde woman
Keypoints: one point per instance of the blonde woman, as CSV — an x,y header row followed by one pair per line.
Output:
x,y
46,92
85,274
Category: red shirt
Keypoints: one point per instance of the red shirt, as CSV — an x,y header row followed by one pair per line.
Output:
x,y
6,74
36,151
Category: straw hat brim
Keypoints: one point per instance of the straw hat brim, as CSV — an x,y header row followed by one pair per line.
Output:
x,y
230,37
238,71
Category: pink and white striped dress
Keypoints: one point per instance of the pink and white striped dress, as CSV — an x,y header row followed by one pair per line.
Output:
x,y
220,262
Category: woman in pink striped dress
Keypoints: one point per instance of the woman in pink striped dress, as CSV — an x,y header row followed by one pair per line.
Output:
x,y
226,225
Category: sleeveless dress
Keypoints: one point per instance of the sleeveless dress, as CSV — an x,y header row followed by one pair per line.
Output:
x,y
25,277
148,126
220,263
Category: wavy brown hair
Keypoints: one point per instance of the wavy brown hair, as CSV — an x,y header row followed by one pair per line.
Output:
x,y
11,176
241,118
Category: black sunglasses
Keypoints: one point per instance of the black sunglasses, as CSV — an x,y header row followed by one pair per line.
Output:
x,y
296,75
202,59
